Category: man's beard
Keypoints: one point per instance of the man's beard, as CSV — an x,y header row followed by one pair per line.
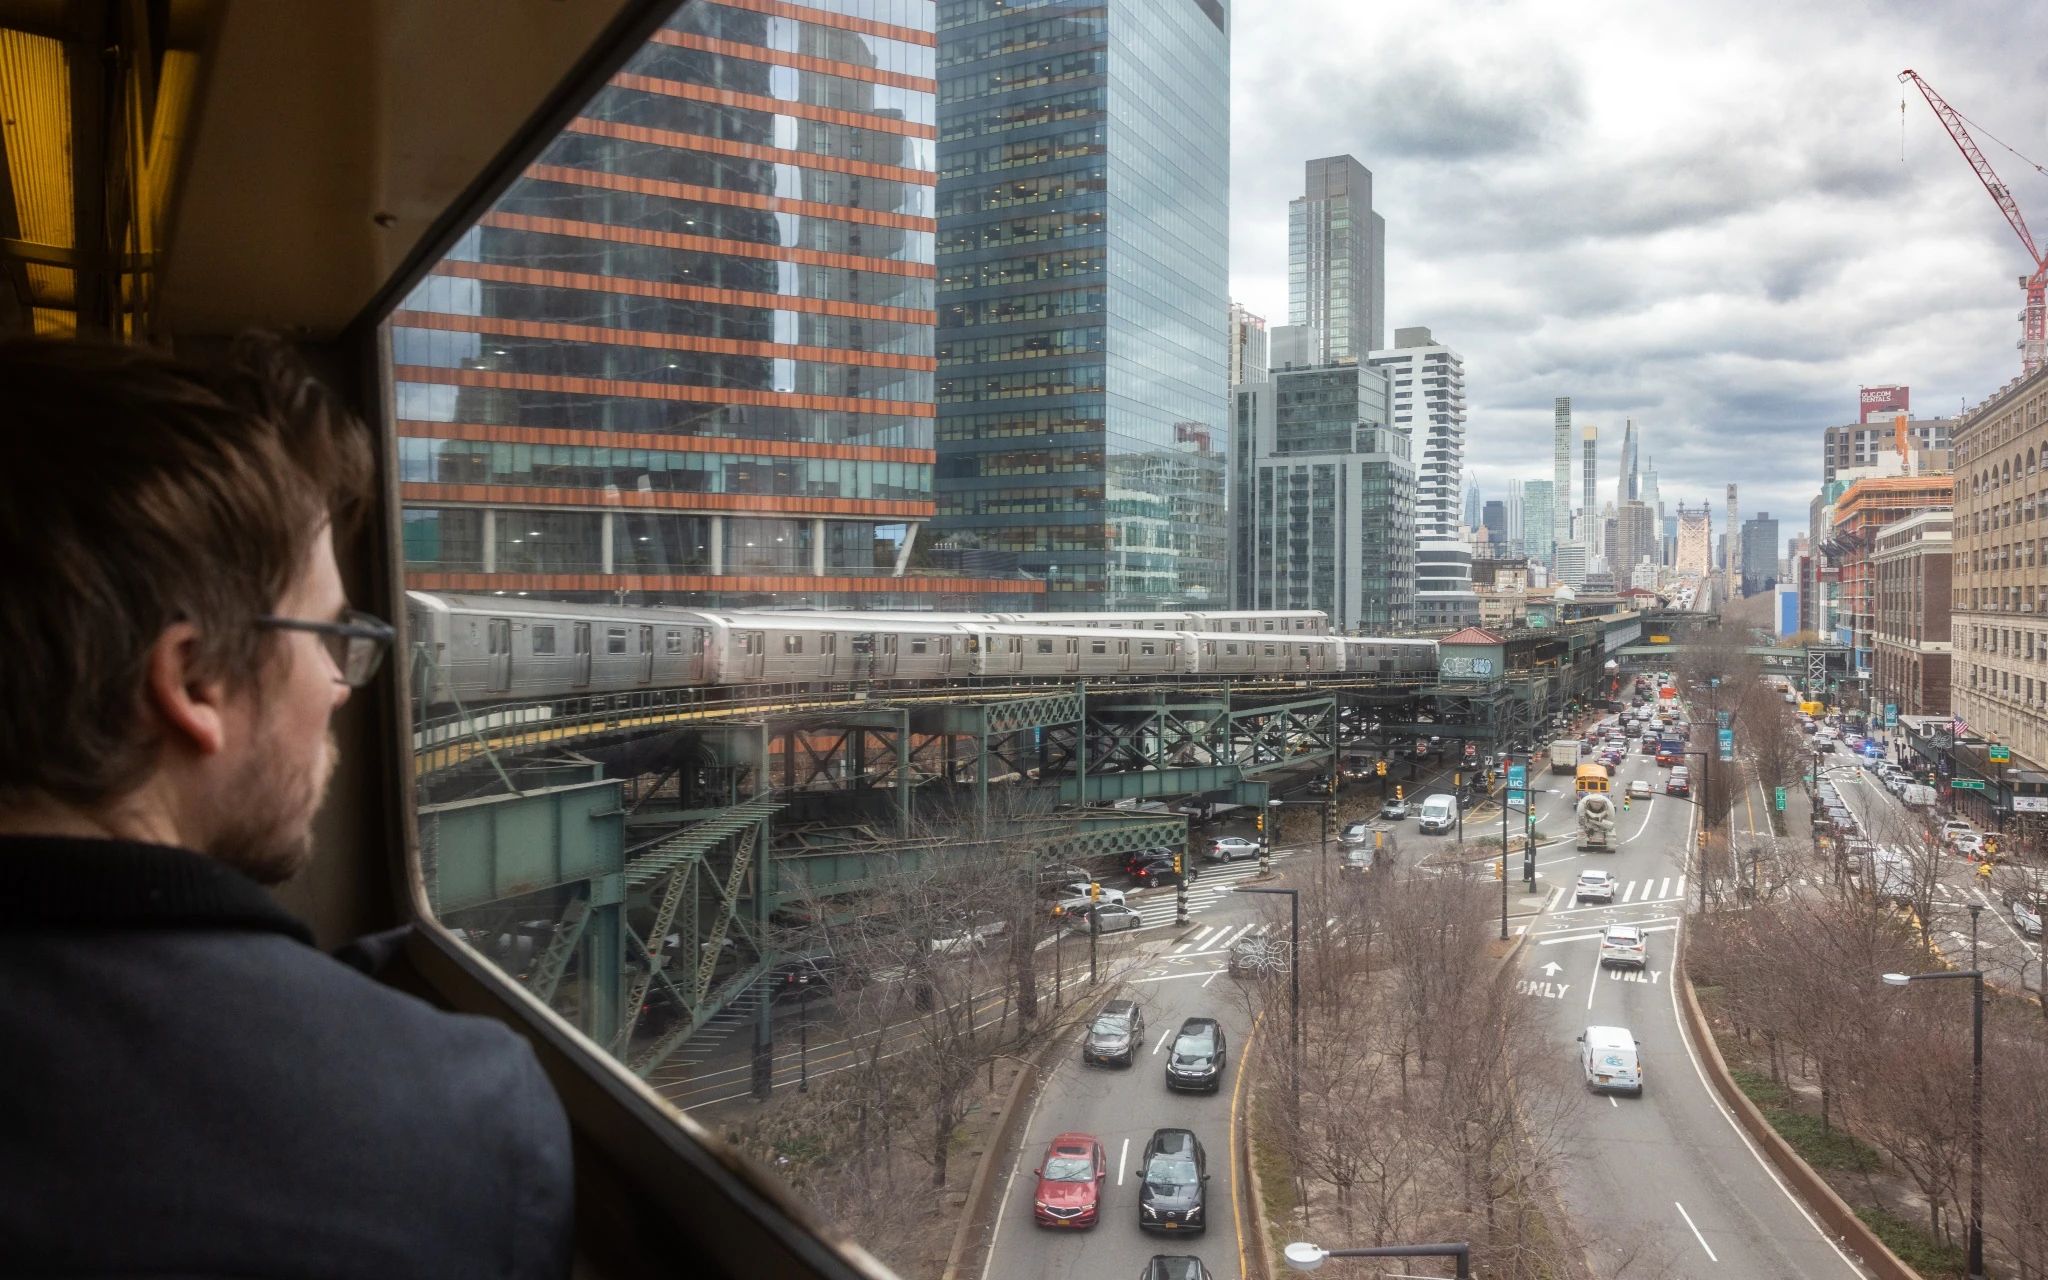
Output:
x,y
269,837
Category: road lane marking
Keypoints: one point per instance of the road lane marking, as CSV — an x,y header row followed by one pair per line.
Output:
x,y
1630,892
1681,889
1695,1230
1211,978
1594,985
1237,1096
1664,890
1692,1055
1162,1043
1123,1160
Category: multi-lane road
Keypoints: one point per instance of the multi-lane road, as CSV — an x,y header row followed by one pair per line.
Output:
x,y
1664,1183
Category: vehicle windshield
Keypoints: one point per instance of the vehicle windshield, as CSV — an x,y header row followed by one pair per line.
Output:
x,y
1113,1027
1069,1169
1170,1173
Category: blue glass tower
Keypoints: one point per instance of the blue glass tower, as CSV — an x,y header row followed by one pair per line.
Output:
x,y
1082,286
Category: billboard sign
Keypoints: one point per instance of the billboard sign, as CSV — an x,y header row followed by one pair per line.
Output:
x,y
1518,780
1884,402
1891,715
1727,744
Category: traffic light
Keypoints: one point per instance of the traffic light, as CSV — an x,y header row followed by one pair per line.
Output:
x,y
1094,891
1259,822
1397,791
1176,862
1380,767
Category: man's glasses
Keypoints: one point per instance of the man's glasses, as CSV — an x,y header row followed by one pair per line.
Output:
x,y
357,642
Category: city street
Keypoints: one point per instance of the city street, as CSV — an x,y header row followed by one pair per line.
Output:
x,y
1664,1183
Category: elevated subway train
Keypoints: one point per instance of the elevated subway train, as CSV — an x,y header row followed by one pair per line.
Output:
x,y
476,650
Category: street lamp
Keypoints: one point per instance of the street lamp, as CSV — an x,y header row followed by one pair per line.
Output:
x,y
803,1033
1303,1256
1975,1268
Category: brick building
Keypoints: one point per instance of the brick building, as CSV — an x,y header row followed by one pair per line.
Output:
x,y
1866,509
1910,566
2001,593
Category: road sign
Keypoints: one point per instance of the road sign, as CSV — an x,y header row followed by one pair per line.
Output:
x,y
1781,799
1723,717
1727,744
1997,754
1967,784
1518,780
1891,715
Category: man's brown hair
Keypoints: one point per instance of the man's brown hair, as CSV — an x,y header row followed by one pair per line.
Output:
x,y
140,492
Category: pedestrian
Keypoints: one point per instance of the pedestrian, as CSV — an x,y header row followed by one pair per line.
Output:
x,y
188,1086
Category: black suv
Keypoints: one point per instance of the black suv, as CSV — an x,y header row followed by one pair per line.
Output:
x,y
1158,873
1175,1266
1173,1182
1115,1034
1197,1059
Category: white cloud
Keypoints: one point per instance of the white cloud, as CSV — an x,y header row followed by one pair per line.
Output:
x,y
1695,216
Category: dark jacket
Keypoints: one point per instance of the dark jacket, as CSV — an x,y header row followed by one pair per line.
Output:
x,y
189,1088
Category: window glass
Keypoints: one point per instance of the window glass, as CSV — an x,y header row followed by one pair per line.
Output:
x,y
543,640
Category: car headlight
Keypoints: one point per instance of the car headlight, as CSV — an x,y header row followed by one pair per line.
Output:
x,y
1193,1213
1148,1210
1043,1205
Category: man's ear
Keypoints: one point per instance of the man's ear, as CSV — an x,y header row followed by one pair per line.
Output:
x,y
193,709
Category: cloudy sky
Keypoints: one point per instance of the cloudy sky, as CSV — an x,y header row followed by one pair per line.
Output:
x,y
1694,215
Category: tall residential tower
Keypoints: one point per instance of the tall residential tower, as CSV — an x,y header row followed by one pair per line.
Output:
x,y
1428,383
1337,259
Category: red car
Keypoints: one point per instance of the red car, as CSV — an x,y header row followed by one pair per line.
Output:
x,y
1070,1182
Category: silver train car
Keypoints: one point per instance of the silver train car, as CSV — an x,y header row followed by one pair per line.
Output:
x,y
477,650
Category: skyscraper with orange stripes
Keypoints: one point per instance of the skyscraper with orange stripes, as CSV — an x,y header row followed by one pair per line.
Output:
x,y
688,357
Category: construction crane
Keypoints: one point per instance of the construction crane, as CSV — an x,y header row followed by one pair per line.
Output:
x,y
2034,343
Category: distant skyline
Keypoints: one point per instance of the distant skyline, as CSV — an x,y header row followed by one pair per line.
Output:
x,y
1696,217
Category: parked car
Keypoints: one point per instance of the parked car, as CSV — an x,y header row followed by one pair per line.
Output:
x,y
1115,1034
1953,828
1625,946
1231,848
1197,1058
2026,914
1593,886
1172,1182
1115,918
1070,1182
1394,810
1967,844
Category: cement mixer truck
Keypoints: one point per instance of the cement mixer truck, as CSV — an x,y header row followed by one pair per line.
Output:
x,y
1596,815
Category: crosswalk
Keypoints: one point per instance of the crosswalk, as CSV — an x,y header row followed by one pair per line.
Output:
x,y
1157,907
1654,889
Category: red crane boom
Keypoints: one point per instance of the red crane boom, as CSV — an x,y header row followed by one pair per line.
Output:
x,y
2034,343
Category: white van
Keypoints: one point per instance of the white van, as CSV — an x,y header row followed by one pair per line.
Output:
x,y
1608,1060
1439,813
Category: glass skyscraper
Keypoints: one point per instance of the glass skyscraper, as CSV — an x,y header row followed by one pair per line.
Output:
x,y
688,357
1337,260
1082,291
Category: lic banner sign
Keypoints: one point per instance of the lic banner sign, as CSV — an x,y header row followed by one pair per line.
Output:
x,y
1727,744
1518,779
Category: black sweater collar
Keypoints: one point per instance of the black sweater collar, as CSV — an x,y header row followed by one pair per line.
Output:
x,y
66,883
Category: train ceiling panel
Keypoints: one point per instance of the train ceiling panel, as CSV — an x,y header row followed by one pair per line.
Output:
x,y
197,167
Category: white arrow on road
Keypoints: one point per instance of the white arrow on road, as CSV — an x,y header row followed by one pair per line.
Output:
x,y
1550,970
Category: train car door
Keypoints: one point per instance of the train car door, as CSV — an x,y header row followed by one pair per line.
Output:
x,y
646,655
498,644
860,663
579,668
753,646
1073,653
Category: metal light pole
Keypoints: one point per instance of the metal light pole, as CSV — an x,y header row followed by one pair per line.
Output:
x,y
803,1033
1307,1257
1976,909
1975,1265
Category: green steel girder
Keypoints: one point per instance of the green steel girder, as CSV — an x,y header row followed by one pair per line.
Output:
x,y
1107,835
554,961
1150,784
705,1009
1274,735
1156,730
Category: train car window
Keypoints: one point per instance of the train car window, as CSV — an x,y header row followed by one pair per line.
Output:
x,y
918,644
615,640
1045,645
861,644
543,640
792,644
1146,649
1302,650
1230,649
672,641
1271,650
1098,646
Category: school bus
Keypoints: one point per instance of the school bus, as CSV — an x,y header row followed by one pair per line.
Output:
x,y
1592,777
